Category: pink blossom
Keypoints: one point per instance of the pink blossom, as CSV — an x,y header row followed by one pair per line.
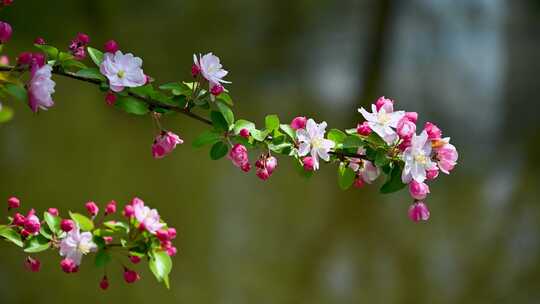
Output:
x,y
40,86
13,202
69,266
418,211
92,208
195,70
104,283
172,233
32,223
18,219
359,182
164,143
262,173
78,45
40,41
5,32
111,207
271,164
216,89
239,156
418,190
211,69
308,163
76,244
34,265
162,235
131,276
148,218
53,211
406,128
385,103
171,251
122,70
244,133
432,173
299,122
433,132
110,46
363,129
446,156
412,116
128,211
24,58
110,98
405,143
67,225
368,171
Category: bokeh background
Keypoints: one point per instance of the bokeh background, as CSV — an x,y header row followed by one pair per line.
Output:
x,y
469,65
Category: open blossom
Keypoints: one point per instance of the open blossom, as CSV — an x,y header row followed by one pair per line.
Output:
x,y
417,159
148,218
210,68
446,155
382,121
40,88
406,128
312,142
165,143
76,244
122,70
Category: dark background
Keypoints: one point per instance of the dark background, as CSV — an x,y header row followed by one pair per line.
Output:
x,y
469,65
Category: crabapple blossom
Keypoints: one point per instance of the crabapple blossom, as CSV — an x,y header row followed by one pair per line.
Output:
x,y
382,121
312,142
134,259
418,190
76,244
110,98
308,163
239,156
67,225
53,211
216,89
172,233
40,88
210,68
385,103
122,70
299,122
171,251
18,219
412,116
32,223
432,173
147,218
78,45
244,133
446,155
417,159
131,276
363,129
433,132
104,283
13,202
406,128
5,32
165,143
368,171
34,265
418,212
110,46
92,208
69,266
110,208
359,182
128,211
162,235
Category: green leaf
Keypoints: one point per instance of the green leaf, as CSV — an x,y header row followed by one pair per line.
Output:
x,y
259,135
177,88
346,176
381,159
11,235
376,140
144,91
117,226
131,105
51,51
53,222
226,112
243,124
6,114
37,244
205,138
218,150
219,121
63,56
336,136
46,232
92,73
103,257
161,264
96,55
71,63
226,98
351,131
288,130
393,182
271,122
84,223
352,141
16,91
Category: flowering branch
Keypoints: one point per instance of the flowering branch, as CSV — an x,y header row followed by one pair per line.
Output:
x,y
385,143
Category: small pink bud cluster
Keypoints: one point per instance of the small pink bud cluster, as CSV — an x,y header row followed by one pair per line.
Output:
x,y
110,208
217,89
265,166
40,41
33,61
92,208
165,236
78,46
299,122
27,225
239,157
13,203
165,143
110,98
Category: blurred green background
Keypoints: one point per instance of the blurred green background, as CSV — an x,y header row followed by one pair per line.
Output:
x,y
468,65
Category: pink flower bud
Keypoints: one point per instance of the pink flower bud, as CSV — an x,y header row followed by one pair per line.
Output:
x,y
128,211
148,79
5,32
166,244
165,143
172,233
7,2
271,164
246,167
53,211
32,224
69,266
32,264
216,89
25,233
40,41
110,98
92,208
131,276
244,133
418,211
110,208
67,225
447,156
13,202
299,122
104,283
18,219
162,235
83,38
406,128
359,182
38,60
24,58
171,251
134,259
107,239
363,129
412,116
433,132
262,174
308,163
385,103
110,46
418,190
195,70
432,173
239,156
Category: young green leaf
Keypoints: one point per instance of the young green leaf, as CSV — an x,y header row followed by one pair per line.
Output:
x,y
288,130
243,124
131,105
16,91
71,63
161,265
218,150
52,221
381,158
117,226
206,138
226,112
271,122
92,73
219,121
51,51
96,55
346,176
84,222
11,235
336,136
352,141
37,244
393,182
226,98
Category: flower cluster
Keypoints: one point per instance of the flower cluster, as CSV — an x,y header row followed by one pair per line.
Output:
x,y
141,235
